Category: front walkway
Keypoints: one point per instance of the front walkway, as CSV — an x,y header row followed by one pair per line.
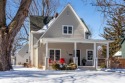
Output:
x,y
31,75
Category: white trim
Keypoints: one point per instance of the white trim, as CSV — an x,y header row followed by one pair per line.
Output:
x,y
107,55
72,40
83,24
67,29
87,54
54,52
95,56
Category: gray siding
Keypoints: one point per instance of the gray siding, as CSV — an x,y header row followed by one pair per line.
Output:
x,y
66,49
55,31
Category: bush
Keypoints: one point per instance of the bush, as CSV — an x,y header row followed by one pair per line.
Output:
x,y
56,66
102,65
25,64
40,66
72,66
70,60
62,67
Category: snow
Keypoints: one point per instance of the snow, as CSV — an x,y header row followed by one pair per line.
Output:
x,y
45,27
34,75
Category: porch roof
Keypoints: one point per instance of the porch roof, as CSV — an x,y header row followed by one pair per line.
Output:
x,y
72,40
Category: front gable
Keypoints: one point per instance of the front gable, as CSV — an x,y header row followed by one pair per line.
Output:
x,y
68,18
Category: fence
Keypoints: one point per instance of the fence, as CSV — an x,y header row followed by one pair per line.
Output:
x,y
117,63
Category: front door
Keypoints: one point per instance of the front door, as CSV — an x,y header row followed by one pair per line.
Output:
x,y
78,55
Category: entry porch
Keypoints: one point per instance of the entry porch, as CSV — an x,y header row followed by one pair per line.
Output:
x,y
83,52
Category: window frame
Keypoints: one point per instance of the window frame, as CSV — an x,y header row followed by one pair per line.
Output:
x,y
67,29
87,54
55,54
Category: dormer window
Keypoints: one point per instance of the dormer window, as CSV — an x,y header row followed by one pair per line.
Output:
x,y
87,35
67,29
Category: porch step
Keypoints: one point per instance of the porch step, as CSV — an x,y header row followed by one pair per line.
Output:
x,y
86,68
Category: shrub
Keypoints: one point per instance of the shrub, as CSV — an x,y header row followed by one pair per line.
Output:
x,y
71,66
25,65
56,66
40,66
102,65
70,60
62,67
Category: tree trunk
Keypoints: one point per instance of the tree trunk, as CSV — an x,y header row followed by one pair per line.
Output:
x,y
5,50
8,33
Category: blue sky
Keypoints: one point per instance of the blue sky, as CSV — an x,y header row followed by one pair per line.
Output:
x,y
89,13
92,17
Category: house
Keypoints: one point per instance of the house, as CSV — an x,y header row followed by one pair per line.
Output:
x,y
65,36
123,48
23,56
118,54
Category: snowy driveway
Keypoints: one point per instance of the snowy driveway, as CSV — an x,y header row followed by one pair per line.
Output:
x,y
31,75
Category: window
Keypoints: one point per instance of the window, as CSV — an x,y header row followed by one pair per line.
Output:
x,y
89,55
67,29
87,35
54,55
26,60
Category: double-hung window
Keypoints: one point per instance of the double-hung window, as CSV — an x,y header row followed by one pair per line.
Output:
x,y
67,29
89,55
54,55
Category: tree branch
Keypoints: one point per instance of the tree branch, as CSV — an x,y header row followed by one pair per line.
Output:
x,y
2,13
18,20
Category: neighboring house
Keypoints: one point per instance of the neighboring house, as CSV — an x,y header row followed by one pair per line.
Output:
x,y
123,48
118,54
23,56
66,36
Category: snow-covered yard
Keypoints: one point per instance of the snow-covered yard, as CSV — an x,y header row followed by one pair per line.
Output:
x,y
32,75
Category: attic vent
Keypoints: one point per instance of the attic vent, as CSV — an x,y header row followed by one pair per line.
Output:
x,y
67,12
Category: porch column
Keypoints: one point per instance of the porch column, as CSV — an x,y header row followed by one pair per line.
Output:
x,y
107,54
75,57
31,49
94,57
46,57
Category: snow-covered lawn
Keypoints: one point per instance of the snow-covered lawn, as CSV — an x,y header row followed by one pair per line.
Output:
x,y
32,75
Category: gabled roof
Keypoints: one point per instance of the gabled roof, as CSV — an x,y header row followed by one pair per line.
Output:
x,y
24,50
80,21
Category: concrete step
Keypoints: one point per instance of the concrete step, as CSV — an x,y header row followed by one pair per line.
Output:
x,y
86,67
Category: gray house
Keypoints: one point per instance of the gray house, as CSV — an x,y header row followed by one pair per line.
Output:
x,y
65,36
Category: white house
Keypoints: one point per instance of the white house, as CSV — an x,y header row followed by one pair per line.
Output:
x,y
66,36
23,56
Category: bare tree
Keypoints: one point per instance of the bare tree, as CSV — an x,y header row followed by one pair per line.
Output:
x,y
114,14
9,32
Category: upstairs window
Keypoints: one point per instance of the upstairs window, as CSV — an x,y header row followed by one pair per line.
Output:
x,y
67,29
87,35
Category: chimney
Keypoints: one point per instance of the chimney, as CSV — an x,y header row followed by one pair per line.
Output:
x,y
56,15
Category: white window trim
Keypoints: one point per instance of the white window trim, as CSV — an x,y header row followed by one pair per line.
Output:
x,y
54,52
67,32
87,54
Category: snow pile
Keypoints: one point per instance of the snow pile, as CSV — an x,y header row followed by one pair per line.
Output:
x,y
33,75
115,70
